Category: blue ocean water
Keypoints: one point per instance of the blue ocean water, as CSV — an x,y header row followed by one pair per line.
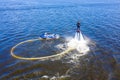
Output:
x,y
23,20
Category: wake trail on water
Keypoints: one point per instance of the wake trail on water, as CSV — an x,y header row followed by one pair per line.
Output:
x,y
79,45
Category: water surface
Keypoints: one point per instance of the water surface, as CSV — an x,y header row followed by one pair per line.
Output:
x,y
23,20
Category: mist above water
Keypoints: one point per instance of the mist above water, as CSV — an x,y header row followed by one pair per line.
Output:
x,y
79,43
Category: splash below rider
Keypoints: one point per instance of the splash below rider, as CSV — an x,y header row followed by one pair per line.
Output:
x,y
78,26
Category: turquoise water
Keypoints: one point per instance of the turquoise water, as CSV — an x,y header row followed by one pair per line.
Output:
x,y
23,20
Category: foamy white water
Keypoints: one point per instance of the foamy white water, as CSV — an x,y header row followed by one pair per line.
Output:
x,y
79,43
79,36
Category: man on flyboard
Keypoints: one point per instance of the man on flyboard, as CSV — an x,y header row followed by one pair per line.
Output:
x,y
78,27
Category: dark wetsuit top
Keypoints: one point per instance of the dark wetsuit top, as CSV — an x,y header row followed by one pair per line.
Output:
x,y
78,27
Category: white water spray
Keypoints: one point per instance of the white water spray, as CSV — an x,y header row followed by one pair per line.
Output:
x,y
79,43
79,36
